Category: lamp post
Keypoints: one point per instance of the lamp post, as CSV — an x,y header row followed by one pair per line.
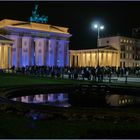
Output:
x,y
98,27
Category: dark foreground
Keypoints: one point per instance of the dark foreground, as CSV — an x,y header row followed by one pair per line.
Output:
x,y
13,126
75,123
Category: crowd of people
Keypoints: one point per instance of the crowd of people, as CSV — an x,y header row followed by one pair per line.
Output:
x,y
90,73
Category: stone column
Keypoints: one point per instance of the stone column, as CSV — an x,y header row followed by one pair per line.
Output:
x,y
83,54
5,56
81,59
19,51
40,53
111,58
99,58
93,59
85,59
70,59
52,46
26,51
104,58
32,52
66,53
9,56
47,52
96,57
10,50
90,59
117,60
75,60
108,59
61,60
14,49
78,59
114,60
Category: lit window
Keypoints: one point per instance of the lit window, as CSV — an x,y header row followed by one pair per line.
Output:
x,y
130,56
122,47
121,55
124,40
123,64
130,41
121,40
126,55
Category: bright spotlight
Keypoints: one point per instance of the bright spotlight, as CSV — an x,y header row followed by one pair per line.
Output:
x,y
101,27
95,26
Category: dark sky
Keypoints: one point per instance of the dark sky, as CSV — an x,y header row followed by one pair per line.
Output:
x,y
117,17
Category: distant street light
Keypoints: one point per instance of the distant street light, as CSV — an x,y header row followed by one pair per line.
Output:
x,y
98,27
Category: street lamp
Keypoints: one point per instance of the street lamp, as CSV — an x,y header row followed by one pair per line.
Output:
x,y
98,27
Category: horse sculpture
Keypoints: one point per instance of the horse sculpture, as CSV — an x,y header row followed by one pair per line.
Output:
x,y
36,18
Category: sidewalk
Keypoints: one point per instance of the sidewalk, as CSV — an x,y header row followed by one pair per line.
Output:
x,y
114,79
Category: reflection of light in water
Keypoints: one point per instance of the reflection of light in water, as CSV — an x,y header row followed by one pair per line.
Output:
x,y
129,100
122,101
119,100
125,100
59,99
112,99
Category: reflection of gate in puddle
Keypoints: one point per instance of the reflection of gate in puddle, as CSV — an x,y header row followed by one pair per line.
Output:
x,y
43,98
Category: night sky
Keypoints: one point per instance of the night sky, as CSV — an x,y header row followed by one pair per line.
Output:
x,y
117,17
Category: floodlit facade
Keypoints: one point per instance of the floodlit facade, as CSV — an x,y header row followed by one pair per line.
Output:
x,y
5,52
116,51
37,44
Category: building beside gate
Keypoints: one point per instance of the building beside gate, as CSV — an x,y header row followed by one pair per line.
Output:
x,y
116,51
36,44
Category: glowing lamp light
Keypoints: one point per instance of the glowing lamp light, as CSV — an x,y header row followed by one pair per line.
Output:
x,y
95,26
101,27
98,27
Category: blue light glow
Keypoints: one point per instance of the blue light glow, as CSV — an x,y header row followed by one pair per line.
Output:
x,y
35,117
14,57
